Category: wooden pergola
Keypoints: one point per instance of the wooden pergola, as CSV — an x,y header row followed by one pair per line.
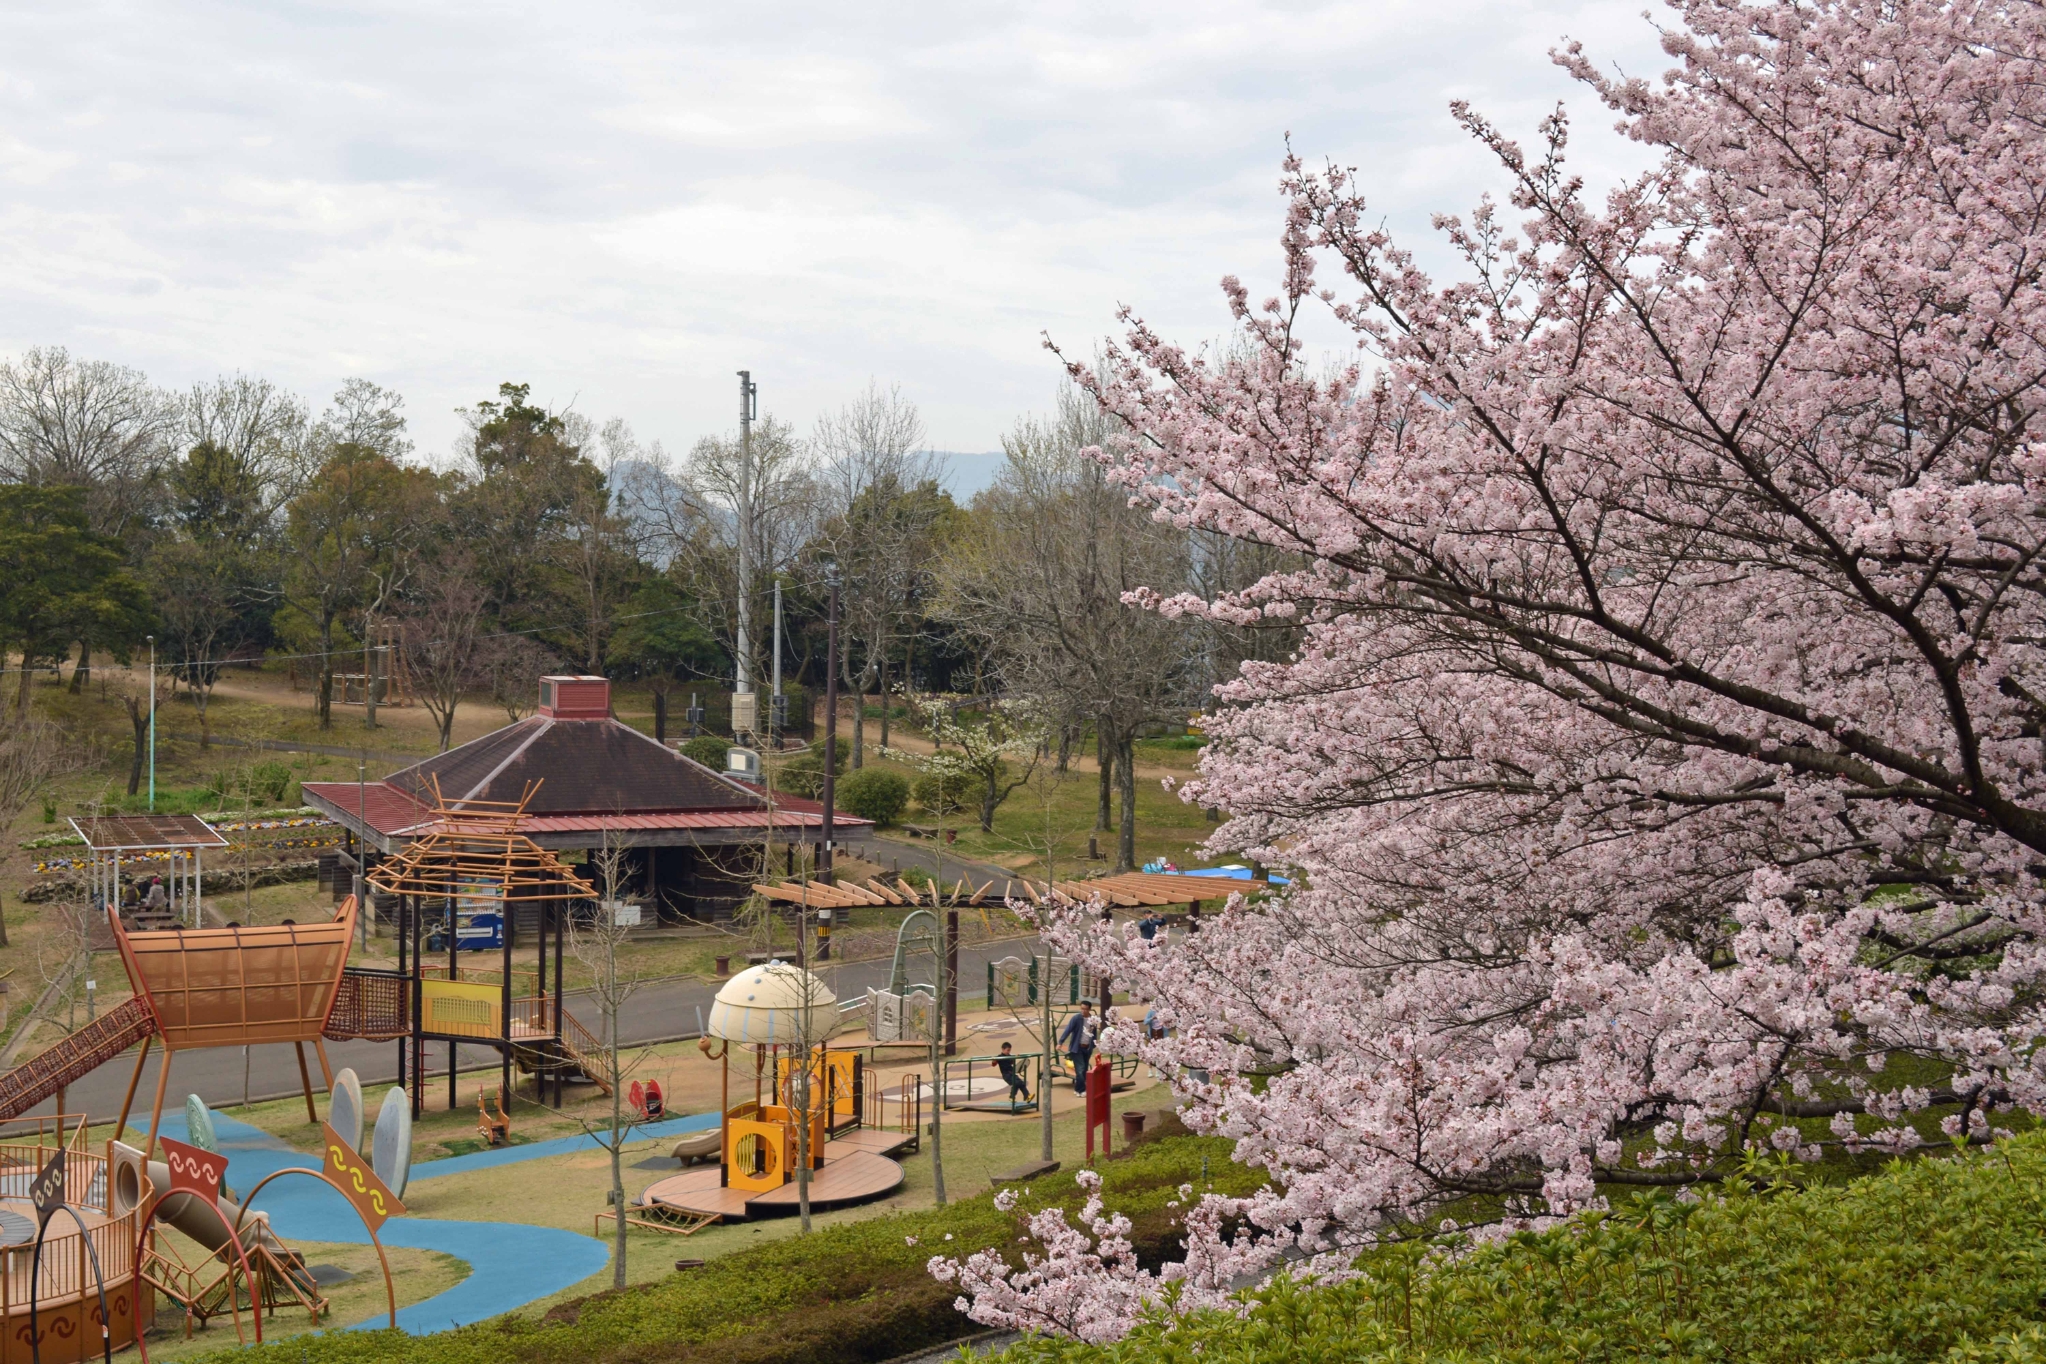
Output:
x,y
475,851
1130,890
1127,891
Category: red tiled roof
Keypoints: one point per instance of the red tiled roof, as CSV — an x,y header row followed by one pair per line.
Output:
x,y
383,808
390,811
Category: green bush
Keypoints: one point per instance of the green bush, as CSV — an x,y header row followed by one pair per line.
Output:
x,y
803,774
946,795
846,1294
872,793
271,781
708,750
1919,1262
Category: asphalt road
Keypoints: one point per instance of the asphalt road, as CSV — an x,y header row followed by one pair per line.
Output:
x,y
661,1010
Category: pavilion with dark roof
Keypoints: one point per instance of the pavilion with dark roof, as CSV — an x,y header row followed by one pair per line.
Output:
x,y
696,839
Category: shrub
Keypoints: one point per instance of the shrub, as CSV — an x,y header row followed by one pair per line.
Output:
x,y
941,795
1919,1262
804,773
873,793
271,781
708,750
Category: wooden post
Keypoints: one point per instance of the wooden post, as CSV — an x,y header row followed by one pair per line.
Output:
x,y
404,931
418,1014
156,1113
305,1081
560,951
952,981
454,973
504,934
128,1099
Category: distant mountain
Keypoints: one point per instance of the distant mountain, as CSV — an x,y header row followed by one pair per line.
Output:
x,y
967,473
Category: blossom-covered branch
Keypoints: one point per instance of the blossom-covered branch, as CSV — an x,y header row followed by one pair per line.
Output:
x,y
1663,759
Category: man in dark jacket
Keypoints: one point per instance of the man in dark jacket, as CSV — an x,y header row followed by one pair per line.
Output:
x,y
1077,1037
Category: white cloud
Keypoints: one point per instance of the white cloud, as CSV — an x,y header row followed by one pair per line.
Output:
x,y
624,204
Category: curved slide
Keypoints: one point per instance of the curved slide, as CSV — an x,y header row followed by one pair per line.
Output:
x,y
189,1214
511,1264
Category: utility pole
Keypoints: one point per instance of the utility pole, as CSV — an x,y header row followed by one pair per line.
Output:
x,y
152,723
824,859
778,716
749,409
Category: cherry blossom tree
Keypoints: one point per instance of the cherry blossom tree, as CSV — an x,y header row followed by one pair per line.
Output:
x,y
1661,762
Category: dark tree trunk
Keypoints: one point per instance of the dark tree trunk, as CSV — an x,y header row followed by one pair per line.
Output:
x,y
84,669
881,684
1104,755
327,674
138,718
1126,785
660,716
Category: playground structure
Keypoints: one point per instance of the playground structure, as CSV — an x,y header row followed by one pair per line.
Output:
x,y
811,1105
476,864
108,1198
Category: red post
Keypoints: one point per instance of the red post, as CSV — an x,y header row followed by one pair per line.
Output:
x,y
1097,1106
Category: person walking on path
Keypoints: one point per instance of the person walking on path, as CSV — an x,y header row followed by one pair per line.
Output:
x,y
1019,1089
1077,1037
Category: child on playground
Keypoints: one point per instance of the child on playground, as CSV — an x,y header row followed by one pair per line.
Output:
x,y
1019,1088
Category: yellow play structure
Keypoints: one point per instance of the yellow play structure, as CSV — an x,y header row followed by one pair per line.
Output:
x,y
785,1016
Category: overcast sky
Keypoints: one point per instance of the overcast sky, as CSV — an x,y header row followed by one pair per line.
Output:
x,y
622,205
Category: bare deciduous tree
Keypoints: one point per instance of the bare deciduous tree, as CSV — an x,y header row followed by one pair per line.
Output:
x,y
595,943
85,423
441,627
266,430
33,753
510,665
881,508
1040,577
690,517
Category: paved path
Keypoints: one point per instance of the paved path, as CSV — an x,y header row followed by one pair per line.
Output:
x,y
662,1010
520,1263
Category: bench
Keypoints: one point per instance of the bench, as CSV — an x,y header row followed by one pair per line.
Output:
x,y
1025,1172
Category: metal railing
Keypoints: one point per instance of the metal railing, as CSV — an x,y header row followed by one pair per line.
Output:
x,y
67,1263
989,1065
902,1112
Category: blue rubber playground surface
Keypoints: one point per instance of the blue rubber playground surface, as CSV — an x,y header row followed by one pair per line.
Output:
x,y
510,1264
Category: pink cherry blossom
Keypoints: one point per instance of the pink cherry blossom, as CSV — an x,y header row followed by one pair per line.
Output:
x,y
1663,756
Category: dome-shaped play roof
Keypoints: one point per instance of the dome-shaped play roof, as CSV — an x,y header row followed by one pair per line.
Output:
x,y
766,1004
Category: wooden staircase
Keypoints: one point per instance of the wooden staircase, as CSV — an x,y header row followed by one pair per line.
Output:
x,y
578,1053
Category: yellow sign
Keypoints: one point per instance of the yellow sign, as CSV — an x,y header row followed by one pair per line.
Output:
x,y
371,1197
458,1008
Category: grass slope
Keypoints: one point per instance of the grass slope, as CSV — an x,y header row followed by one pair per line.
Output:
x,y
1929,1259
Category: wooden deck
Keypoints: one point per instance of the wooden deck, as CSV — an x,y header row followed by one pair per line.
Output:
x,y
850,1175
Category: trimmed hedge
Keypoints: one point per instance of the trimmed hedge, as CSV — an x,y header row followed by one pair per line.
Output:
x,y
872,793
1932,1259
709,750
848,1294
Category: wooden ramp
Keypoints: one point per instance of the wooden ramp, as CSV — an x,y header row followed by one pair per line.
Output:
x,y
870,1140
853,1176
